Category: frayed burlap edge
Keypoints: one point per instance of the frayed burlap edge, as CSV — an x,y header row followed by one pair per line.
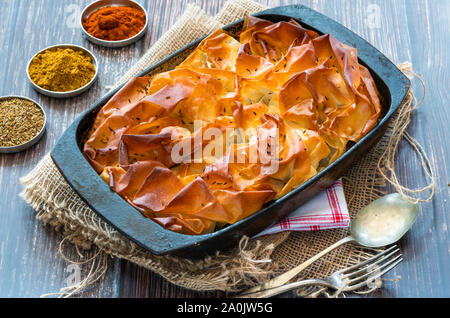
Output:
x,y
253,261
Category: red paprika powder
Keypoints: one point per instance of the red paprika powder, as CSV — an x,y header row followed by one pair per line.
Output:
x,y
115,23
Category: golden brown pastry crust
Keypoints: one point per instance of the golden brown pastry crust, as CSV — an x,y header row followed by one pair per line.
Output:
x,y
279,78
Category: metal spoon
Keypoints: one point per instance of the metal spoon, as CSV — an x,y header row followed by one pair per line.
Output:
x,y
382,222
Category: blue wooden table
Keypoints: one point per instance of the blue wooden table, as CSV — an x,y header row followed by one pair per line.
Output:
x,y
404,30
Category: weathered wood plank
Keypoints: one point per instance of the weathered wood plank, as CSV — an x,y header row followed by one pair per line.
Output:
x,y
29,260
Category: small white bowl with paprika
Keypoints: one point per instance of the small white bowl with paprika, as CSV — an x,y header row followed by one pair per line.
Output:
x,y
114,23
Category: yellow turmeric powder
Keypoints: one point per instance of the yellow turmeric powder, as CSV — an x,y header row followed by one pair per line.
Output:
x,y
61,70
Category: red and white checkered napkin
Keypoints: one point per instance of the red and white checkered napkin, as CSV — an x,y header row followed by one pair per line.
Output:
x,y
327,210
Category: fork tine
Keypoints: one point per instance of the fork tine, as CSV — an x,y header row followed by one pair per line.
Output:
x,y
378,275
371,265
345,270
373,269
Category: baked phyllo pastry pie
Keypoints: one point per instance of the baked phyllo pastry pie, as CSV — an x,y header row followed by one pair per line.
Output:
x,y
238,123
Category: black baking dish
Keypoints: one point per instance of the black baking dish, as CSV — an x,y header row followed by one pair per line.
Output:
x,y
392,84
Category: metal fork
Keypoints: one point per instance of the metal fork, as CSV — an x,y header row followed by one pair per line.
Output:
x,y
347,279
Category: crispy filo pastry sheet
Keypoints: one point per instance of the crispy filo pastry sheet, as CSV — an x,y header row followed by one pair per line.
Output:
x,y
302,96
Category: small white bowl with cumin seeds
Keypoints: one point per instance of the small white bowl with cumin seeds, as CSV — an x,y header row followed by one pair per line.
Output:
x,y
22,123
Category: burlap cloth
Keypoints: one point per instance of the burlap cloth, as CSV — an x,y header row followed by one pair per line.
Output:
x,y
253,261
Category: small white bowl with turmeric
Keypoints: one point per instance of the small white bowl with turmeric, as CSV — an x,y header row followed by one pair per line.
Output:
x,y
62,71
